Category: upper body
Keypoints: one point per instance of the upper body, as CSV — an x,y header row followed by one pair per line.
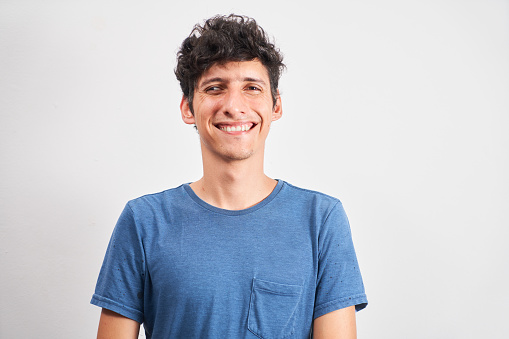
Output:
x,y
229,73
187,269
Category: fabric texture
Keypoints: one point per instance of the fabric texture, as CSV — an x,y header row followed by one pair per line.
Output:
x,y
187,269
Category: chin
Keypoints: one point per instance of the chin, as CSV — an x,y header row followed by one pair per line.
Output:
x,y
237,156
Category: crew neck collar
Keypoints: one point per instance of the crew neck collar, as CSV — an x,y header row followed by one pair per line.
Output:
x,y
251,209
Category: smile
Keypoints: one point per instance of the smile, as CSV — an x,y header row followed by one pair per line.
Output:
x,y
236,128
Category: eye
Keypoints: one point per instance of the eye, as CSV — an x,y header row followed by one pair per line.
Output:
x,y
253,88
213,89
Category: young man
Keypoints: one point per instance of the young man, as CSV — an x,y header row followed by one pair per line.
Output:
x,y
235,254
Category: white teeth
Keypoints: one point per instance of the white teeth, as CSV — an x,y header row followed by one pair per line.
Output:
x,y
235,128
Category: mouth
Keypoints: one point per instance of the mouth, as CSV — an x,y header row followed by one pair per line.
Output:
x,y
235,127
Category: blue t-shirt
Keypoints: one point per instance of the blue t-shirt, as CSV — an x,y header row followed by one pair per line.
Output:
x,y
187,269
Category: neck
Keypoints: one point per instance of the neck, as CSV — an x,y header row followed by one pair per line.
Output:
x,y
233,185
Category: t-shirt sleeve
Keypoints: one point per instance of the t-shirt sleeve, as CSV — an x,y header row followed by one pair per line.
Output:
x,y
339,281
121,279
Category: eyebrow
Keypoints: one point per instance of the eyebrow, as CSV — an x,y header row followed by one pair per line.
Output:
x,y
222,80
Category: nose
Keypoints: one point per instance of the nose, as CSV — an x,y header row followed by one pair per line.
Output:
x,y
235,103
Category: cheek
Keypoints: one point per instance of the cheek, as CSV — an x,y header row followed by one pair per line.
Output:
x,y
204,112
210,107
263,107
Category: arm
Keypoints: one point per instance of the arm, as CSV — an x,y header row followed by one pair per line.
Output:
x,y
113,325
339,324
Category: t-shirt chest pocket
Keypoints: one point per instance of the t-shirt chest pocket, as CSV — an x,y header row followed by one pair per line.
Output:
x,y
272,309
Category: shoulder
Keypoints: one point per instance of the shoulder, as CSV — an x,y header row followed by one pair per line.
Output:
x,y
156,199
157,205
307,195
150,212
314,204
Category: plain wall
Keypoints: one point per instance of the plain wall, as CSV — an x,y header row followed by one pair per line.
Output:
x,y
398,108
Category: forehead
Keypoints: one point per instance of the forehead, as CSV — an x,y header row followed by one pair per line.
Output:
x,y
236,71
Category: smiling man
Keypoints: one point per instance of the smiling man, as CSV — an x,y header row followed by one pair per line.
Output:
x,y
235,254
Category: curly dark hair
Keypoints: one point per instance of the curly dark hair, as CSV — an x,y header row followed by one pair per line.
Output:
x,y
222,39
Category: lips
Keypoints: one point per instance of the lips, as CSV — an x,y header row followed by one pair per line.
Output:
x,y
235,127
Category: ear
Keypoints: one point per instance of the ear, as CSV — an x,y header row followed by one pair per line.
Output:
x,y
185,110
277,112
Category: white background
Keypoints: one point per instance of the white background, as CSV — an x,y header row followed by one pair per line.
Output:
x,y
399,108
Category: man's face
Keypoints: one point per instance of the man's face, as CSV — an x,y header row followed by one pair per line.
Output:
x,y
233,110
